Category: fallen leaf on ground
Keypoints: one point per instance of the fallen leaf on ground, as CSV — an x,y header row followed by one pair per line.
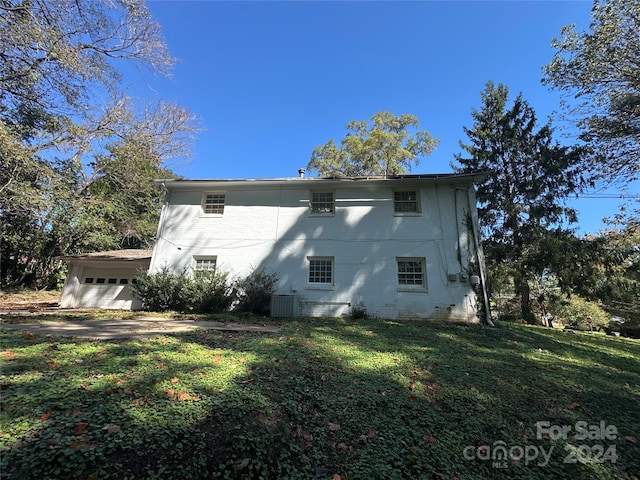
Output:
x,y
429,439
184,396
8,355
80,428
112,428
83,442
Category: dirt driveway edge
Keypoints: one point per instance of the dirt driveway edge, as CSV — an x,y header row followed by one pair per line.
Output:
x,y
141,327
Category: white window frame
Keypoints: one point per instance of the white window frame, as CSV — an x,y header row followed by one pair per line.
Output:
x,y
200,260
410,275
397,202
313,204
320,275
216,209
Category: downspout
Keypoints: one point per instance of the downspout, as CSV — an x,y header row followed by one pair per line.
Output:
x,y
480,254
165,205
458,238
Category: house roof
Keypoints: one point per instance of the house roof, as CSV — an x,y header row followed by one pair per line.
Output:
x,y
128,254
454,178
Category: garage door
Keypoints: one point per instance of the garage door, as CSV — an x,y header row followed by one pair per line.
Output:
x,y
106,288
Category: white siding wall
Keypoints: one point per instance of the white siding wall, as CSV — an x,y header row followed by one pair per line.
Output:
x,y
272,227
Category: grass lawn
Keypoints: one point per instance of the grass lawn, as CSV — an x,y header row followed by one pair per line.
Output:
x,y
324,398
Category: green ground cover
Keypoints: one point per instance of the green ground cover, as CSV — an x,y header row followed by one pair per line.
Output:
x,y
330,398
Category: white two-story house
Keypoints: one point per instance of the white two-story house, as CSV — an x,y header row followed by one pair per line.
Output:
x,y
402,247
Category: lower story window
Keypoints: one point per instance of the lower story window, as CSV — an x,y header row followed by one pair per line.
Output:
x,y
411,273
204,263
321,270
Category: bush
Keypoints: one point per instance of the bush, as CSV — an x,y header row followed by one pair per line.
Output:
x,y
210,292
358,311
161,291
202,292
254,292
574,311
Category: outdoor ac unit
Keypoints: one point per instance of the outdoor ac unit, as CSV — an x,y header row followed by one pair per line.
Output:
x,y
284,306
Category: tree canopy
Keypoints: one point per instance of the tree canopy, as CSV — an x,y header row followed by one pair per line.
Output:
x,y
529,178
390,145
599,71
77,154
54,52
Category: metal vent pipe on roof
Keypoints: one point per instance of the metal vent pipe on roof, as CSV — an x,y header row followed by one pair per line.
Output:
x,y
301,173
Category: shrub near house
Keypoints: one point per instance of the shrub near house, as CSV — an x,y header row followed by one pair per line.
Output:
x,y
204,291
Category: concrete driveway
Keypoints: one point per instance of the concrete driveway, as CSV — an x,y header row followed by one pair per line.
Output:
x,y
138,327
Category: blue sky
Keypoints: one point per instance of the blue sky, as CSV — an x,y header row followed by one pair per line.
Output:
x,y
270,81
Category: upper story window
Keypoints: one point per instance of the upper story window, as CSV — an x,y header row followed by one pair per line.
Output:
x,y
321,271
406,202
411,273
213,203
204,264
322,203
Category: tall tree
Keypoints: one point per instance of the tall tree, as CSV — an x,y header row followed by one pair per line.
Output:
x,y
391,145
55,51
77,155
529,177
601,70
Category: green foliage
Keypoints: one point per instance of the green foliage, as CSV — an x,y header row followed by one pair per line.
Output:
x,y
386,147
254,292
598,73
57,54
161,291
209,292
326,397
197,292
77,156
575,311
358,311
529,178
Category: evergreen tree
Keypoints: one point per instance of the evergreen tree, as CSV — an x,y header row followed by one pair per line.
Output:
x,y
529,178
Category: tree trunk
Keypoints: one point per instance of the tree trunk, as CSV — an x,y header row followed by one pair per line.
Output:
x,y
523,289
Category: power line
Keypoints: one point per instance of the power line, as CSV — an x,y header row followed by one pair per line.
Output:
x,y
611,195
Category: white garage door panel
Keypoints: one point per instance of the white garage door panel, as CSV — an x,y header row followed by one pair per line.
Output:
x,y
106,295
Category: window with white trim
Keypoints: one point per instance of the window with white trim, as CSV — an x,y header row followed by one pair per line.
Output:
x,y
213,203
411,273
204,264
322,203
406,202
321,271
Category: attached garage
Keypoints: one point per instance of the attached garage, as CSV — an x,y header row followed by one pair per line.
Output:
x,y
103,279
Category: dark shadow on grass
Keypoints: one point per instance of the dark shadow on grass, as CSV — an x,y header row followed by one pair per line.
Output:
x,y
365,399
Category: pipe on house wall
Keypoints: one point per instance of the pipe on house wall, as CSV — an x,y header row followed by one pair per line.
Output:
x,y
165,206
480,254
